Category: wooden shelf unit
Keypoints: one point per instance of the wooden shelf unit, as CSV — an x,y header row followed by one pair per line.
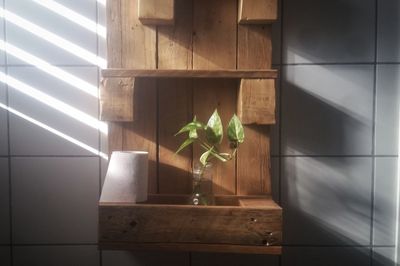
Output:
x,y
190,73
159,77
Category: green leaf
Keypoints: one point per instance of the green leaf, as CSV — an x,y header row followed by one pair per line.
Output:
x,y
193,134
214,129
185,144
192,126
235,130
204,157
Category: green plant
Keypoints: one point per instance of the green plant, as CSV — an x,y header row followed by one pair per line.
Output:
x,y
213,132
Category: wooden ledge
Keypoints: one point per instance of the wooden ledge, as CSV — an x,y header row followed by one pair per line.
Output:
x,y
191,247
181,73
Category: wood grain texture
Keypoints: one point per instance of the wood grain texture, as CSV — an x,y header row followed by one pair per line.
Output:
x,y
214,47
139,51
193,247
116,99
175,102
258,11
156,12
114,59
256,101
253,158
259,223
214,34
195,73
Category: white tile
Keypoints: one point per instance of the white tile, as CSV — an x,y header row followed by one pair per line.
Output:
x,y
328,31
388,31
332,256
385,201
5,256
4,202
384,256
102,21
216,259
56,255
387,109
326,201
144,258
327,110
32,12
55,200
3,120
28,138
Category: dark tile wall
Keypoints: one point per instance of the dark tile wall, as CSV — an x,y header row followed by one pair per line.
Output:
x,y
335,150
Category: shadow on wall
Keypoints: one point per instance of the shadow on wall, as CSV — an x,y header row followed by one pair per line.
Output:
x,y
334,31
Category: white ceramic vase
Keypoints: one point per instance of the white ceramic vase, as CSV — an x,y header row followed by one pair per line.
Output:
x,y
127,177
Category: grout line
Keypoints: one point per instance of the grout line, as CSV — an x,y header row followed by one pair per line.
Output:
x,y
336,156
280,107
10,210
338,246
56,65
54,244
52,156
98,115
372,212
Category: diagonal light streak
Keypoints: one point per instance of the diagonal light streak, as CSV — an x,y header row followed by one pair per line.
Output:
x,y
54,103
50,69
102,2
73,16
55,131
52,38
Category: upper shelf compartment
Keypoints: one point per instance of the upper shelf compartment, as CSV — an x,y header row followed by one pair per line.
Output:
x,y
179,73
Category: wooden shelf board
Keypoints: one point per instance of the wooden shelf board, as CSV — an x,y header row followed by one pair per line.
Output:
x,y
182,73
242,224
193,247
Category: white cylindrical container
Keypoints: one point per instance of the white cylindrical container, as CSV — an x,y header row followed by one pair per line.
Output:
x,y
126,178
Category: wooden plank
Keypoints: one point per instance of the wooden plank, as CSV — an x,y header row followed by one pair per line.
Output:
x,y
258,11
139,51
116,99
141,223
188,73
214,34
114,59
178,247
256,101
156,12
175,102
253,158
254,47
214,47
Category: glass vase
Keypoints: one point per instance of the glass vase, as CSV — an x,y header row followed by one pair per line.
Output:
x,y
202,193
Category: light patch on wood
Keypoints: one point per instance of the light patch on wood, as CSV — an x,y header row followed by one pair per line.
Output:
x,y
156,12
258,11
256,101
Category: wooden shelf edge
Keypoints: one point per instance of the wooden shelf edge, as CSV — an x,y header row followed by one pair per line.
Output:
x,y
193,247
182,73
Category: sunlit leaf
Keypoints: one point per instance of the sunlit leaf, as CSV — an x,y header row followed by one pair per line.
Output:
x,y
185,144
193,134
214,129
235,130
204,157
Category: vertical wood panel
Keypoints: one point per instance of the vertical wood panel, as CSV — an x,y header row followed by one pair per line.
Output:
x,y
139,51
253,170
214,47
175,101
114,50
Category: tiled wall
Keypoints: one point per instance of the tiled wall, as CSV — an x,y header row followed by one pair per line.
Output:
x,y
335,150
